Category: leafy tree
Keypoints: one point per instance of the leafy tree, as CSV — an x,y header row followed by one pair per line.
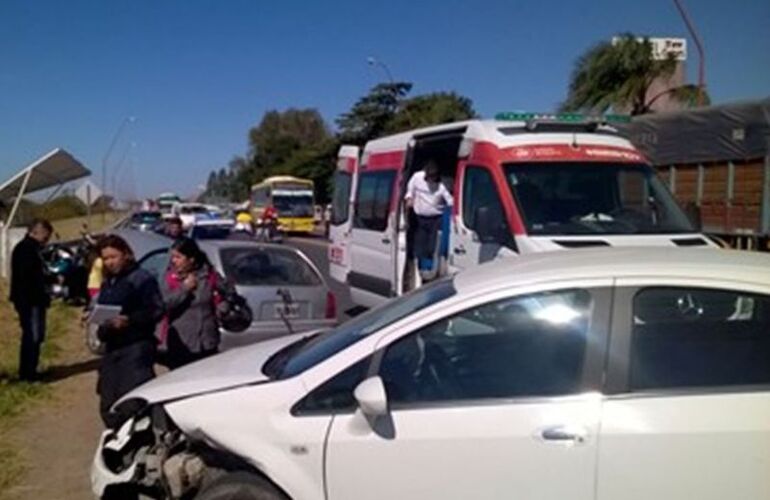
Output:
x,y
371,114
620,75
280,134
431,109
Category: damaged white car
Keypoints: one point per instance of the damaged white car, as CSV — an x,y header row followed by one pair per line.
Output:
x,y
590,375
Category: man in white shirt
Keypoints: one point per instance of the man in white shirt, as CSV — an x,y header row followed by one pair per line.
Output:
x,y
428,197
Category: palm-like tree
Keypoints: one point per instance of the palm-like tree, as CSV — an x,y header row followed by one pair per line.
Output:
x,y
620,74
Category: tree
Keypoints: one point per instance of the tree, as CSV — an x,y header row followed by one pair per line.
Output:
x,y
431,109
370,115
620,75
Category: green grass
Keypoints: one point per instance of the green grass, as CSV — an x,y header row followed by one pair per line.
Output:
x,y
15,396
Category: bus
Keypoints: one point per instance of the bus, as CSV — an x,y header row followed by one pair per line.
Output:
x,y
166,200
291,197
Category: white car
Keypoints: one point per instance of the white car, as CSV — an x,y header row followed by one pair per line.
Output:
x,y
188,212
593,374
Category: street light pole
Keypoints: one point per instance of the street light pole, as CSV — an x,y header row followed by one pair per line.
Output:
x,y
373,61
699,46
118,132
118,166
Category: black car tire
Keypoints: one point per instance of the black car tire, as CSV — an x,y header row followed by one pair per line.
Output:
x,y
240,486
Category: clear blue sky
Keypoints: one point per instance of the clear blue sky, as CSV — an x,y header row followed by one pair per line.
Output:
x,y
197,74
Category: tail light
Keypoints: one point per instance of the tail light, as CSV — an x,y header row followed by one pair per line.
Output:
x,y
331,305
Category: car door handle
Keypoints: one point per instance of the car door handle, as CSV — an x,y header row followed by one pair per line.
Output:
x,y
386,241
460,250
564,433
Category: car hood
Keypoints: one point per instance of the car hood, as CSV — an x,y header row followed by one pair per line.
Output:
x,y
233,368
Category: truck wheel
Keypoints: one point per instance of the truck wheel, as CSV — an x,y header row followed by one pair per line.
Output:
x,y
240,486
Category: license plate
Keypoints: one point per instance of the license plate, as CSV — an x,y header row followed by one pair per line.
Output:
x,y
290,311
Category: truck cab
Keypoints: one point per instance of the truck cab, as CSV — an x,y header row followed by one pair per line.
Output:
x,y
522,183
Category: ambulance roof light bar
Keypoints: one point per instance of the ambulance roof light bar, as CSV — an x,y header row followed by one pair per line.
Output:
x,y
532,119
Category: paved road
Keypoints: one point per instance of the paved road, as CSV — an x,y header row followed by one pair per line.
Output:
x,y
315,248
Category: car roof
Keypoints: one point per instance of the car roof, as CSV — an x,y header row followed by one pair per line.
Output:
x,y
701,263
244,244
142,242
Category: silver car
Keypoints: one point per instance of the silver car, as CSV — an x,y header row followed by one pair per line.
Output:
x,y
284,289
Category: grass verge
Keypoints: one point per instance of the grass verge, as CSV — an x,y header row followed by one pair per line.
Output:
x,y
16,396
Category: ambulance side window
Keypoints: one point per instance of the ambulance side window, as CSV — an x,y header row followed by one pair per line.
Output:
x,y
479,191
372,205
341,198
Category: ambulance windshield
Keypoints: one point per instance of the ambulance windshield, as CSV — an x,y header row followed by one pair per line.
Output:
x,y
576,198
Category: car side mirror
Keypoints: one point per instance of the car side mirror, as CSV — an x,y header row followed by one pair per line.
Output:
x,y
486,224
371,397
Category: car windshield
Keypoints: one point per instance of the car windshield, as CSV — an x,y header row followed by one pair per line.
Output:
x,y
570,198
306,353
256,266
293,203
193,209
211,232
145,217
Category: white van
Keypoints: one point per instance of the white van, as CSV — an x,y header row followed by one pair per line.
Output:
x,y
522,183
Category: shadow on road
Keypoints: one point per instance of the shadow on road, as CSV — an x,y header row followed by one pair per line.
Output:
x,y
57,373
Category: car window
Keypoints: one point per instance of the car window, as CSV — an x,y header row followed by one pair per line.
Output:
x,y
211,232
254,266
336,394
372,204
479,191
530,345
697,337
156,263
341,199
333,341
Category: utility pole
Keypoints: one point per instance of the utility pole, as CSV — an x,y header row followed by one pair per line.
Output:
x,y
126,121
699,46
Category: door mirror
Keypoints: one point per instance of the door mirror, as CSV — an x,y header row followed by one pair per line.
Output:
x,y
487,225
371,397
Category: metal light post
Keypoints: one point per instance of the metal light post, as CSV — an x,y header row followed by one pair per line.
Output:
x,y
373,61
118,132
699,46
116,170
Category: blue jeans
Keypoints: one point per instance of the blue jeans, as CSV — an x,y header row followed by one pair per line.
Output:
x,y
32,320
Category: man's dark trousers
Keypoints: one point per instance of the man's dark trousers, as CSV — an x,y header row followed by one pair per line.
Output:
x,y
32,319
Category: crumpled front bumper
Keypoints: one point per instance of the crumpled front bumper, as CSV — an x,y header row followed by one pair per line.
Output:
x,y
101,475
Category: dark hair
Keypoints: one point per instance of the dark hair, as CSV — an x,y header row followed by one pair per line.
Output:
x,y
41,223
174,220
118,243
431,168
190,249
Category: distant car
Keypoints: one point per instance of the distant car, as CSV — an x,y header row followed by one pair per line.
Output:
x,y
284,289
187,212
633,374
211,229
146,220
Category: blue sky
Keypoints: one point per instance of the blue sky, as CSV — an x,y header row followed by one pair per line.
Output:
x,y
197,74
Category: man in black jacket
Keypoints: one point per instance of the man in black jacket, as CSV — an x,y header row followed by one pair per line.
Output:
x,y
29,295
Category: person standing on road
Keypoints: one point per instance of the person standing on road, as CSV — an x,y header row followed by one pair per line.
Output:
x,y
29,295
173,227
129,338
192,291
428,197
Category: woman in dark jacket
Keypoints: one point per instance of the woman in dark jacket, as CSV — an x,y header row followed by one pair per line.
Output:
x,y
192,291
129,338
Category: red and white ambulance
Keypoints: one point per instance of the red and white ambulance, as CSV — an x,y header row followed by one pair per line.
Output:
x,y
522,183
